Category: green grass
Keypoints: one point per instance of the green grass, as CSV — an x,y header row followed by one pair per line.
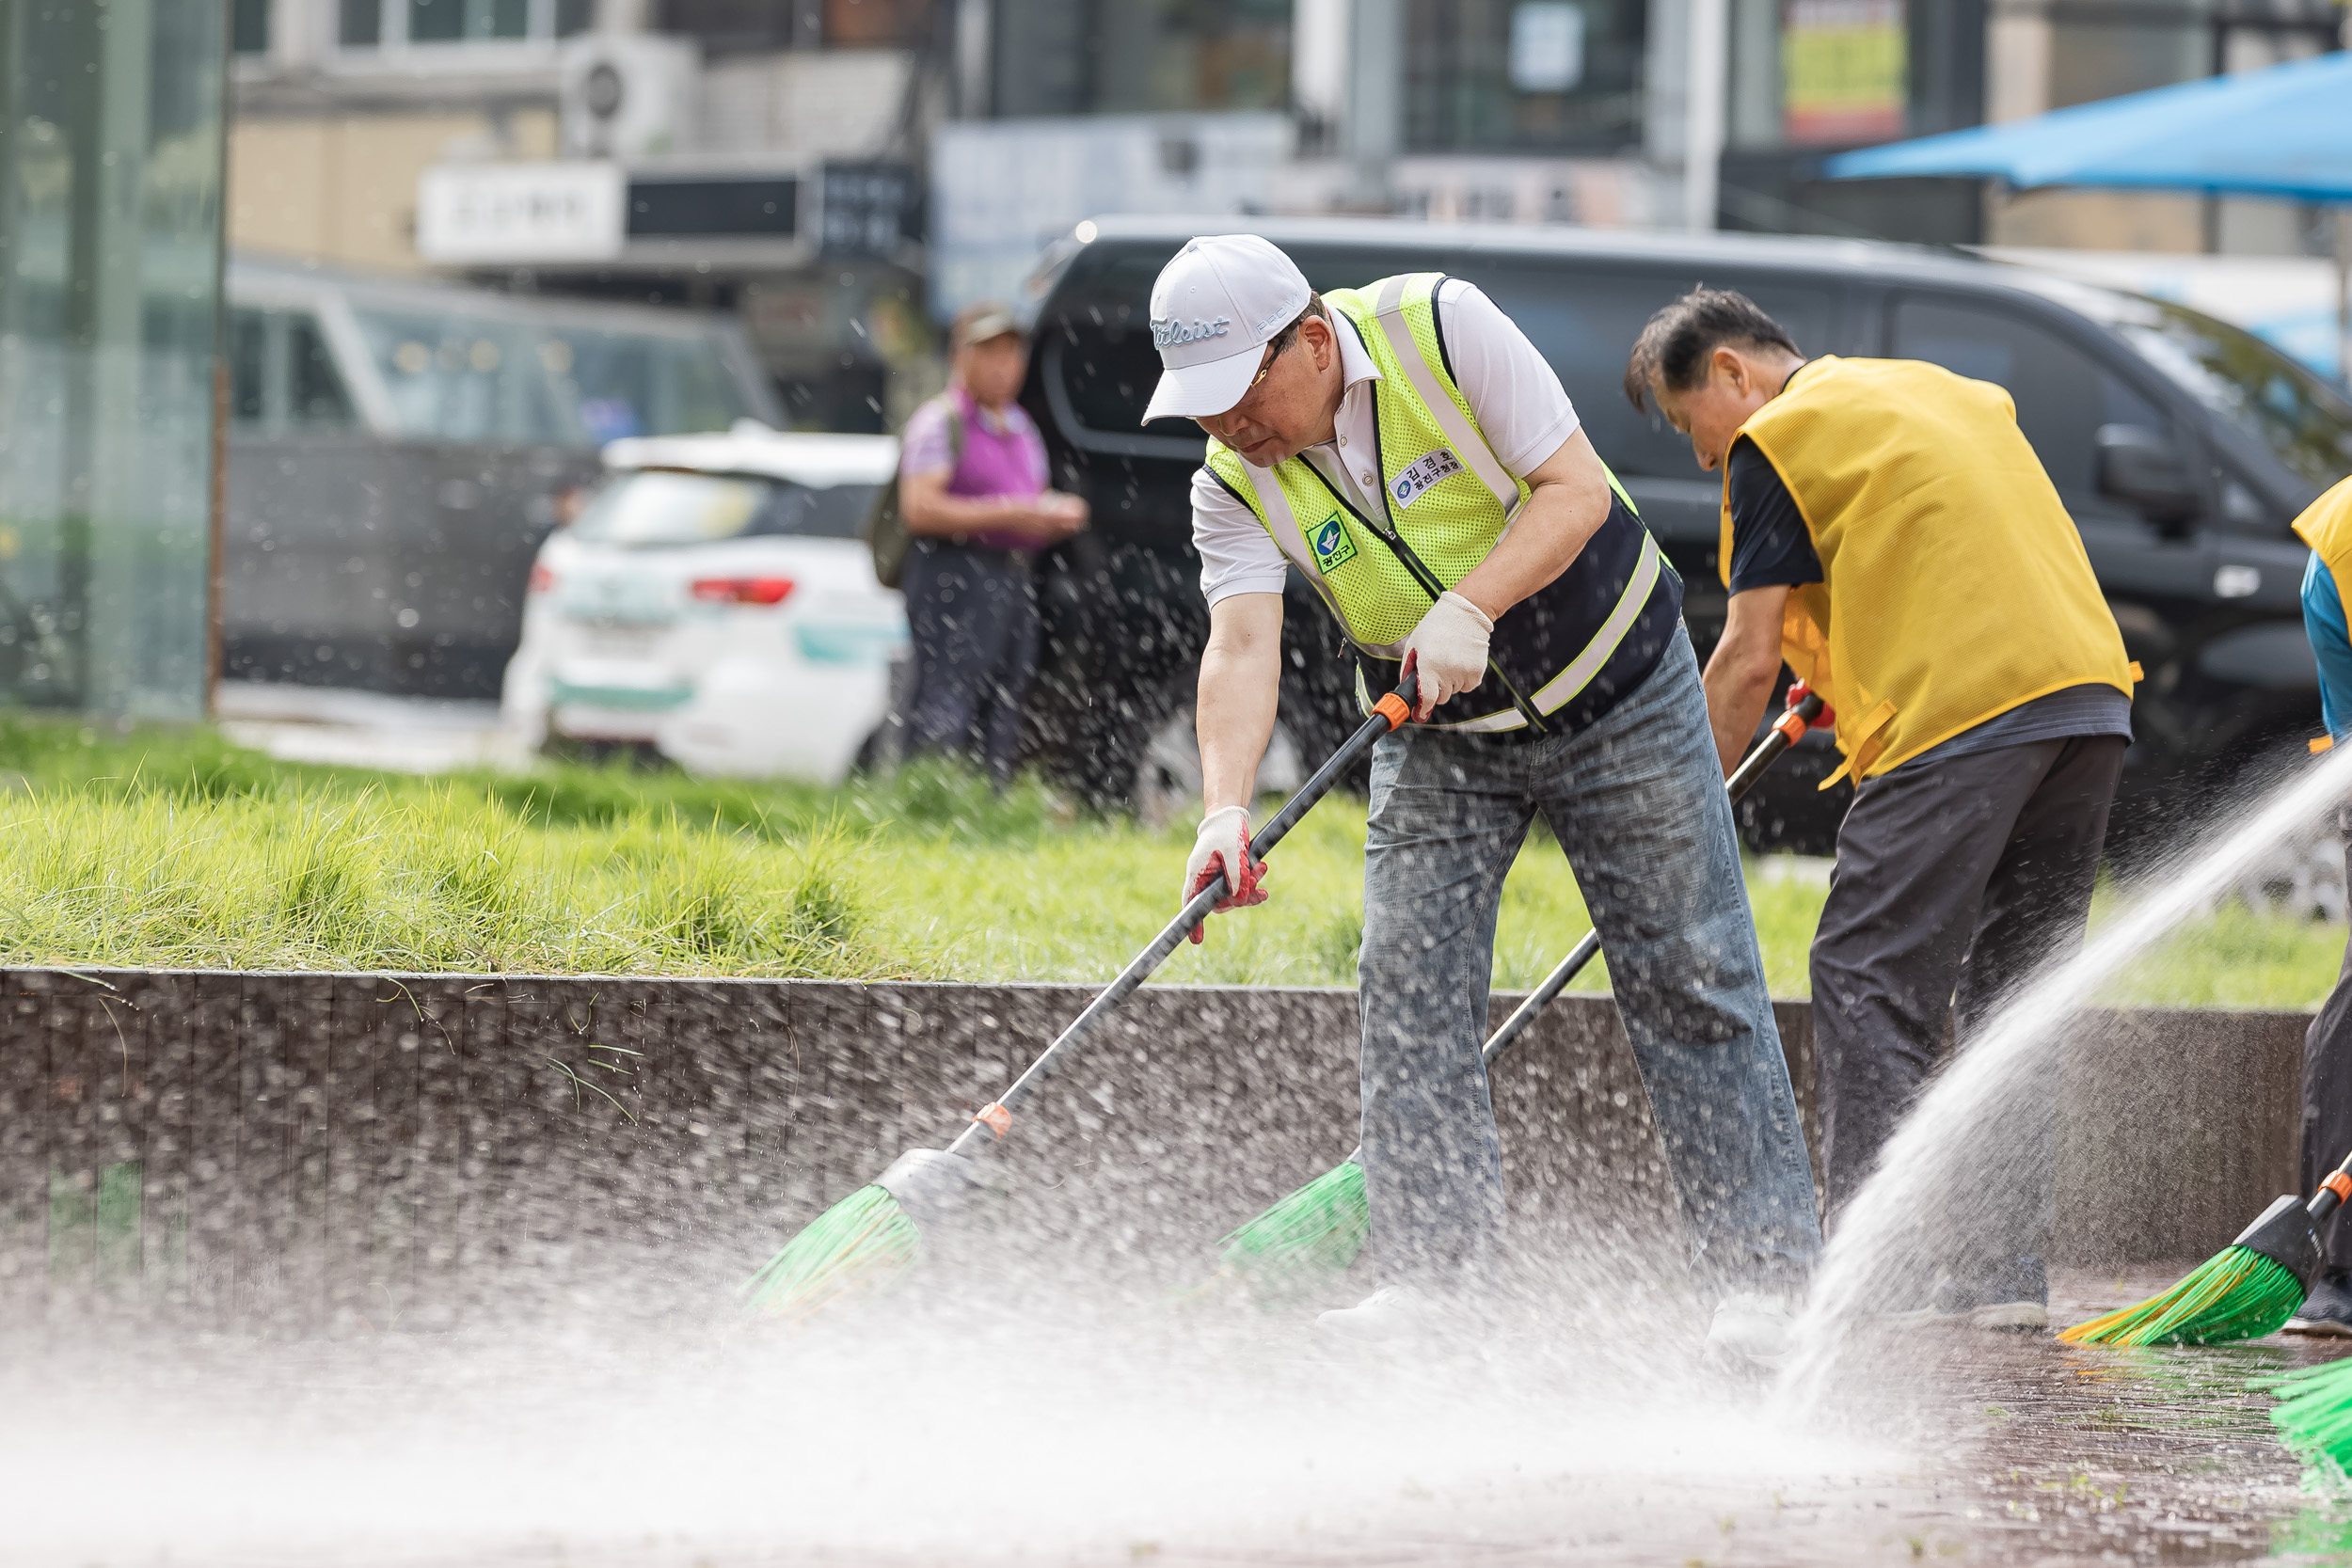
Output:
x,y
171,847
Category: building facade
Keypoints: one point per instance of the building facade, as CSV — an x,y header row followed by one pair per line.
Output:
x,y
844,173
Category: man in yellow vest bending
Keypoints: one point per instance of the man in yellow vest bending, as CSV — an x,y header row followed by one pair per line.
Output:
x,y
2327,528
1888,533
1407,450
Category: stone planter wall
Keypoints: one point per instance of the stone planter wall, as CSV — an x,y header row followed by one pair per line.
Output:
x,y
325,1152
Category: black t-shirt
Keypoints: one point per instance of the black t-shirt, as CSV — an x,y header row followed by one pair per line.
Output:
x,y
1769,547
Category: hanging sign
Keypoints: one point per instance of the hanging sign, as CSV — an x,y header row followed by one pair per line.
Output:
x,y
1844,72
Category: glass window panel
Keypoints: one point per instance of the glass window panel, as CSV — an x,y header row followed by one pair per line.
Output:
x,y
656,508
2063,395
2302,419
361,23
642,384
249,358
659,508
504,19
1533,74
437,21
249,27
462,378
108,328
315,394
574,16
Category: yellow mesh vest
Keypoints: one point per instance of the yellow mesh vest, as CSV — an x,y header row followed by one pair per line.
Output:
x,y
2326,526
1957,587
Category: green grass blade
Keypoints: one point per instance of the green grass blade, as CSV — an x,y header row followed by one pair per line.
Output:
x,y
2234,1294
1307,1237
862,1243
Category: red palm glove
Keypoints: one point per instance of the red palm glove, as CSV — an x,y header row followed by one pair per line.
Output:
x,y
1222,846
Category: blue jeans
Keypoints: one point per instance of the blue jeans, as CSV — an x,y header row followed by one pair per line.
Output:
x,y
1637,802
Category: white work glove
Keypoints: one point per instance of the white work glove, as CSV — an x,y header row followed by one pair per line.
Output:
x,y
1448,651
1223,844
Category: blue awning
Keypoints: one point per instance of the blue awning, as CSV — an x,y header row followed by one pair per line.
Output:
x,y
2285,132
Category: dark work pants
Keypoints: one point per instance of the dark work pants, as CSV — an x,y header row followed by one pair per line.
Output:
x,y
972,616
1962,875
2327,1090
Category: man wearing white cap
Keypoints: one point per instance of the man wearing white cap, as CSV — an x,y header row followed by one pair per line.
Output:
x,y
1407,451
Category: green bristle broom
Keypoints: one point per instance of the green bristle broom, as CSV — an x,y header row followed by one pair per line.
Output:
x,y
873,1236
2315,1412
865,1242
2247,1290
1317,1232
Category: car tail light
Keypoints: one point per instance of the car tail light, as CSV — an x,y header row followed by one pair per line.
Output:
x,y
742,589
540,579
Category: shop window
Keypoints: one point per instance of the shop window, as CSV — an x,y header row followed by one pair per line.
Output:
x,y
248,376
380,24
1523,75
1150,56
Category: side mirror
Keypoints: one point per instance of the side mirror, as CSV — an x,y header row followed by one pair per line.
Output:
x,y
2137,465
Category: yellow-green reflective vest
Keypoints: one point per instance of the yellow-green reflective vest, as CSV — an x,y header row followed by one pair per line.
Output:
x,y
1560,658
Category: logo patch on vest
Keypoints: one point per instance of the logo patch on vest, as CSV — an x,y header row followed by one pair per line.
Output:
x,y
1422,472
1332,546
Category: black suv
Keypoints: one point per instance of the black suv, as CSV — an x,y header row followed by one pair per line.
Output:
x,y
2183,447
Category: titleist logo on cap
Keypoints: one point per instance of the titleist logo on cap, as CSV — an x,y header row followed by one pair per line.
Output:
x,y
1168,334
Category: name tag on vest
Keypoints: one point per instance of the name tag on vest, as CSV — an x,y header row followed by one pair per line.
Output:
x,y
1422,472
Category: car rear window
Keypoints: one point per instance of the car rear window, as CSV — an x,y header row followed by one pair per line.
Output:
x,y
660,507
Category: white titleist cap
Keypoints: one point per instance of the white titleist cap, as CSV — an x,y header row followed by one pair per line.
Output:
x,y
1213,310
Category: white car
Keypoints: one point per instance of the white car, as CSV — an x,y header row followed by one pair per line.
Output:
x,y
713,599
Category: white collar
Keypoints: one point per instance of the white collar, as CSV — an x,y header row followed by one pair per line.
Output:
x,y
1355,359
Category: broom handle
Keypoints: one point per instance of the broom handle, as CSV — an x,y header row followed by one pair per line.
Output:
x,y
2332,1193
1792,722
1387,714
1785,731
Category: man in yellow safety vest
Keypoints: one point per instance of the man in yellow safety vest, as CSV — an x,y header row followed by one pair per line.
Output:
x,y
1406,450
1890,536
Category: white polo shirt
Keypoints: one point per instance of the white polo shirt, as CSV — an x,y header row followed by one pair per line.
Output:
x,y
1513,393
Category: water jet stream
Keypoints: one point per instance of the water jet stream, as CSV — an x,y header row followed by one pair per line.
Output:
x,y
1920,1189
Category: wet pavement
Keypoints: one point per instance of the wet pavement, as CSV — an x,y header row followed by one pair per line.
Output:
x,y
1176,1440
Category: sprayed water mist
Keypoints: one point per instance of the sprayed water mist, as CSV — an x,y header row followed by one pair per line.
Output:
x,y
1934,1181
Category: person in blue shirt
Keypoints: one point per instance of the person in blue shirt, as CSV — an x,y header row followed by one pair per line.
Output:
x,y
2327,1044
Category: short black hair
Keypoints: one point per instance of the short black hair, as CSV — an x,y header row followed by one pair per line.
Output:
x,y
1674,347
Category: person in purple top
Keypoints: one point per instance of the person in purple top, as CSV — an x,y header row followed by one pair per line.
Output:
x,y
973,493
